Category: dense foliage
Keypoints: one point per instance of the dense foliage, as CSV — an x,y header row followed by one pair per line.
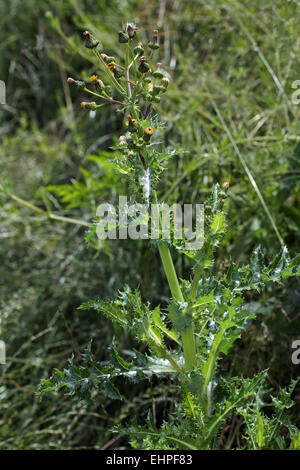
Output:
x,y
229,115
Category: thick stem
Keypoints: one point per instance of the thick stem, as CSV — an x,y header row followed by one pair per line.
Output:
x,y
188,339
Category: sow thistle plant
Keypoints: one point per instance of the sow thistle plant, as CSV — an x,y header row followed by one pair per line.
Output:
x,y
205,314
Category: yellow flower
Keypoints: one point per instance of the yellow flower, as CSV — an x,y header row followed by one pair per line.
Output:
x,y
133,121
94,79
83,104
111,66
149,131
150,86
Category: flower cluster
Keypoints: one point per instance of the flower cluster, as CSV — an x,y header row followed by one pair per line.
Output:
x,y
135,84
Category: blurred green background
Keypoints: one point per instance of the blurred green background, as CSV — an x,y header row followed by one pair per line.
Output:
x,y
232,65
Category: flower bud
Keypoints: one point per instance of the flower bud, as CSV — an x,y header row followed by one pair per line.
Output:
x,y
114,69
154,43
165,82
90,41
123,37
132,123
108,89
88,105
107,58
158,73
139,49
78,83
144,66
99,85
158,89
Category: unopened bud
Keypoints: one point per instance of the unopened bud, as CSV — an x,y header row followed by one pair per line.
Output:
x,y
144,66
158,89
107,58
78,83
158,72
154,43
139,49
90,41
123,37
91,105
165,82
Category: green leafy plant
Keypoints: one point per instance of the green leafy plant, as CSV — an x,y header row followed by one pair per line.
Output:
x,y
187,338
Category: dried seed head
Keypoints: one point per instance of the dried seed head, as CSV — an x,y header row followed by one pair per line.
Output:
x,y
130,29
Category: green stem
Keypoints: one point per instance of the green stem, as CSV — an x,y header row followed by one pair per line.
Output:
x,y
188,339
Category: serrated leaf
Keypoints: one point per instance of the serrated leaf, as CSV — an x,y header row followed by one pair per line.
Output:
x,y
218,224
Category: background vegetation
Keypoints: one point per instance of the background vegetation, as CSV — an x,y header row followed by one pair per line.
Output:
x,y
232,66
